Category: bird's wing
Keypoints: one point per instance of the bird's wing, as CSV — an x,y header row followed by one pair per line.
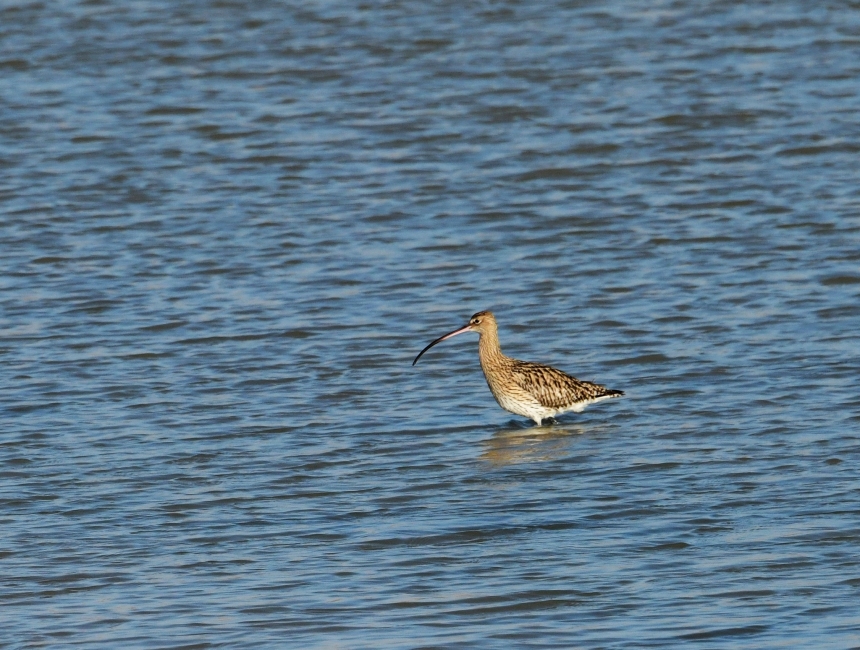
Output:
x,y
553,388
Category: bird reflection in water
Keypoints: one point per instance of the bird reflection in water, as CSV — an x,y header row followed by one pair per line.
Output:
x,y
511,445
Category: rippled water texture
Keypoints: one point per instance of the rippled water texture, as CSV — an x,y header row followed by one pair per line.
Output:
x,y
227,228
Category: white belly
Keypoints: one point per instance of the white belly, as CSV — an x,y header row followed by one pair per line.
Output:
x,y
527,408
533,410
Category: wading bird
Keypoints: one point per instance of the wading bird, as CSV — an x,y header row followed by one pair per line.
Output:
x,y
533,390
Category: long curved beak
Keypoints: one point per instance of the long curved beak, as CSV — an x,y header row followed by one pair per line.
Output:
x,y
462,330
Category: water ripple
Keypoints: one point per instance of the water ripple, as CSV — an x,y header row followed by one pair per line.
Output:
x,y
227,230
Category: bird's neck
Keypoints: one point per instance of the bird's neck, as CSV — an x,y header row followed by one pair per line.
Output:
x,y
489,350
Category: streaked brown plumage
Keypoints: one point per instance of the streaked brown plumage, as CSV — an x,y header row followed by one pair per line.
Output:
x,y
530,389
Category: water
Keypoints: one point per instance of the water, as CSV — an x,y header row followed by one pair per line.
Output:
x,y
227,229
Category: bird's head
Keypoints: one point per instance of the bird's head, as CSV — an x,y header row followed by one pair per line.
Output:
x,y
482,322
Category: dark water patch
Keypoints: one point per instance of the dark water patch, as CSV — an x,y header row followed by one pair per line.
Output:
x,y
163,327
841,312
816,150
50,260
174,110
645,359
24,408
729,632
522,603
18,65
838,280
666,546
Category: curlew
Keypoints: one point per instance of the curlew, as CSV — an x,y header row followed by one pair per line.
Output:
x,y
533,390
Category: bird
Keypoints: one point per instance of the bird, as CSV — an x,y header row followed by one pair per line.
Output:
x,y
533,390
